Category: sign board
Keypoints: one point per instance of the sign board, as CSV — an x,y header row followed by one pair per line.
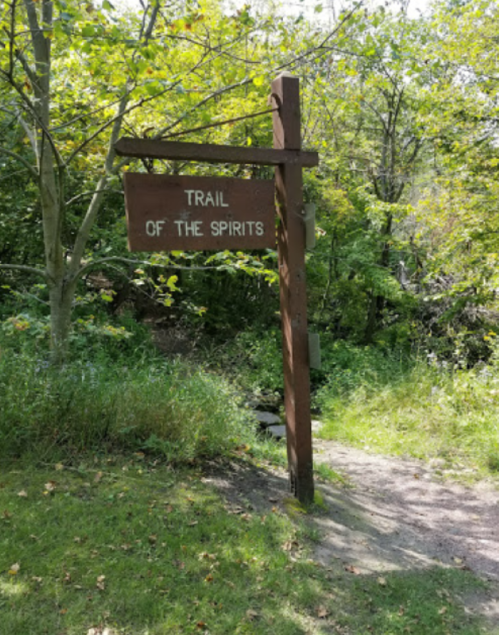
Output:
x,y
181,212
200,213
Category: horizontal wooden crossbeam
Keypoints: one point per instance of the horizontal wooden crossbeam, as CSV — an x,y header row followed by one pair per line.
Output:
x,y
210,153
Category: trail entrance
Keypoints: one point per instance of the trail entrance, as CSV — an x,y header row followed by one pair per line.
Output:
x,y
169,213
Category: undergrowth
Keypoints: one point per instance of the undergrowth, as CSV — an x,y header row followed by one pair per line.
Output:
x,y
425,409
147,403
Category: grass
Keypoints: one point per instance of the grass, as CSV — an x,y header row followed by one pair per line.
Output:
x,y
423,411
170,408
135,546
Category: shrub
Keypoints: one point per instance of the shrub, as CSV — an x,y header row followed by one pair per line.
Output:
x,y
167,407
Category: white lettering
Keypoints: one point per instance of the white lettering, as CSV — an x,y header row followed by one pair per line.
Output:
x,y
151,228
214,228
185,228
189,196
199,198
237,228
222,204
209,200
179,224
193,228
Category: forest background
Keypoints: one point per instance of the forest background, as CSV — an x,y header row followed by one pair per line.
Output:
x,y
403,282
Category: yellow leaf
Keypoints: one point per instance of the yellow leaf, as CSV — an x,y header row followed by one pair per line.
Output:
x,y
14,569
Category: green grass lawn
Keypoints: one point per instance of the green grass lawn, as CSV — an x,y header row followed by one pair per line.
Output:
x,y
139,548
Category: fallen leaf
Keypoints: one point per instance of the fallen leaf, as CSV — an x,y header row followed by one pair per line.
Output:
x,y
14,569
251,615
382,581
209,578
23,493
6,514
290,544
351,569
457,560
67,577
321,612
201,624
442,610
63,611
98,477
193,523
101,585
50,486
59,466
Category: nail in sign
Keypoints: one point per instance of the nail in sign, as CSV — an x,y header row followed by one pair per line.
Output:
x,y
199,213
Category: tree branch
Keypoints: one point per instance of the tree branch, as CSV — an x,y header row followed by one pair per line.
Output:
x,y
18,157
104,262
26,269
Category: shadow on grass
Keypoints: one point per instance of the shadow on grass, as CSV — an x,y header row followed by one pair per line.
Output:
x,y
138,548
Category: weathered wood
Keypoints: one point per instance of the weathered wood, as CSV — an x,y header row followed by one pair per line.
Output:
x,y
293,292
199,212
179,151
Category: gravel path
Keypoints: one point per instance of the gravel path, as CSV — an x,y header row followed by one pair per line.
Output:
x,y
392,514
398,514
405,515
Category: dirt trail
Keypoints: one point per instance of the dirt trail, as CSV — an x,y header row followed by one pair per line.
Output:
x,y
393,514
398,514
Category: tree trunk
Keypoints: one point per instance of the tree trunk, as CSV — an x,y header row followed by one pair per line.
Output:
x,y
61,301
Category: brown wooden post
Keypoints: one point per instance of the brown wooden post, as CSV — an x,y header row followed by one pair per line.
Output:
x,y
293,292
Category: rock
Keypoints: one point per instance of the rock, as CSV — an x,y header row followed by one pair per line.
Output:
x,y
266,419
278,432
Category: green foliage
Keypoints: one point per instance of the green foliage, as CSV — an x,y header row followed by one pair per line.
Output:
x,y
253,359
114,402
347,367
428,410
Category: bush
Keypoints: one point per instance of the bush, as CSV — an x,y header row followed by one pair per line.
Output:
x,y
169,408
425,409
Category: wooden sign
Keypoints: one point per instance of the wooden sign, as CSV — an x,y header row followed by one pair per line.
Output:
x,y
175,212
200,213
